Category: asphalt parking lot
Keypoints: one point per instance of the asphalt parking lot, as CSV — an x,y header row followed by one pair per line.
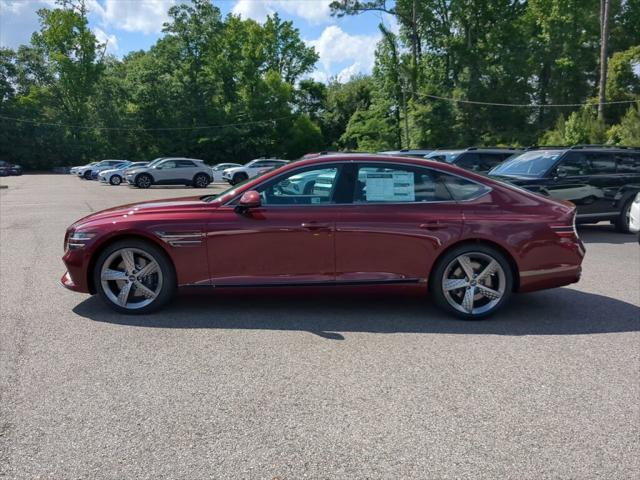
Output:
x,y
296,386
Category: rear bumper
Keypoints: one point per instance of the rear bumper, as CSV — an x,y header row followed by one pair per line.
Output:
x,y
533,280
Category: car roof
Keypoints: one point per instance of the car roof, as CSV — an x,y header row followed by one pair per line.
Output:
x,y
585,147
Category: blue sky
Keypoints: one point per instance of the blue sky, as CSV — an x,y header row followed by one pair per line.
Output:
x,y
345,45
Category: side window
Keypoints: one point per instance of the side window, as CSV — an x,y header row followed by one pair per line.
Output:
x,y
398,184
461,188
168,164
468,161
575,163
602,163
258,165
628,162
490,160
309,187
185,164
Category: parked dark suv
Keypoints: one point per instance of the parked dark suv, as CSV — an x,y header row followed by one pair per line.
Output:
x,y
474,158
602,181
7,168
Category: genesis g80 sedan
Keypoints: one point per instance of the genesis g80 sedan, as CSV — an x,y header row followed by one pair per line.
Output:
x,y
340,220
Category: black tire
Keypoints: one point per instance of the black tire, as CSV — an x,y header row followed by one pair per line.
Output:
x,y
623,222
144,180
115,180
239,177
167,290
201,180
437,276
87,175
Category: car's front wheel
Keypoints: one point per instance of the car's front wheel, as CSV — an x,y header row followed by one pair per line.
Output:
x,y
87,175
115,180
238,178
143,181
623,222
134,276
472,281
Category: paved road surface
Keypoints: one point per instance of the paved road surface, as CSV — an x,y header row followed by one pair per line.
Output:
x,y
290,387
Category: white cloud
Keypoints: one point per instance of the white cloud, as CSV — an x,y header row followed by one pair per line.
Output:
x,y
336,47
348,72
313,12
132,16
18,20
110,40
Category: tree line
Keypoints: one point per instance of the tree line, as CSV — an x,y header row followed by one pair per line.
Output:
x,y
222,88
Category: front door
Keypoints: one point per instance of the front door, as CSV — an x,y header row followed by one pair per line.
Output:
x,y
587,179
401,218
288,239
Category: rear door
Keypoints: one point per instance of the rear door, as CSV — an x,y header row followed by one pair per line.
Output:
x,y
186,170
400,218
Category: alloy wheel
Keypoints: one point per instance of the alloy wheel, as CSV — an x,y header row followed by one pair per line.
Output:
x,y
131,278
201,181
143,181
474,283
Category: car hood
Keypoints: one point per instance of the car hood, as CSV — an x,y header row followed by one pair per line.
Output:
x,y
110,170
234,169
153,207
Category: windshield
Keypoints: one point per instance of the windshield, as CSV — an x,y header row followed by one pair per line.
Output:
x,y
443,156
155,162
530,164
216,196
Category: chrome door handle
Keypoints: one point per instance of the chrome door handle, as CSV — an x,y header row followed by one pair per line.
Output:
x,y
315,226
435,225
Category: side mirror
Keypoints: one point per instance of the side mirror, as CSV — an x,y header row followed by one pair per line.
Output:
x,y
561,172
249,199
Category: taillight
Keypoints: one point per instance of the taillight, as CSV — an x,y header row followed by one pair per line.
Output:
x,y
566,231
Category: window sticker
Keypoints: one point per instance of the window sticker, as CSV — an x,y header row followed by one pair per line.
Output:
x,y
390,187
315,199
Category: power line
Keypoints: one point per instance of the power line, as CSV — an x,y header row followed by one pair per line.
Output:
x,y
139,129
524,105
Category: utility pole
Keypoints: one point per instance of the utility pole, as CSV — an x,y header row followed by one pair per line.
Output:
x,y
604,41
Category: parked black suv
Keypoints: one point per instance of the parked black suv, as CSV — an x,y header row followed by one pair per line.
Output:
x,y
474,158
602,181
7,168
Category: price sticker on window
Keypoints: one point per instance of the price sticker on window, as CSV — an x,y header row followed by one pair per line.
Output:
x,y
390,187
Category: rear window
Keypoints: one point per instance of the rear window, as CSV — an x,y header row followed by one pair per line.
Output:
x,y
461,188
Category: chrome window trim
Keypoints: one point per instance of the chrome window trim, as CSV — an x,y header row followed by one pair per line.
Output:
x,y
489,189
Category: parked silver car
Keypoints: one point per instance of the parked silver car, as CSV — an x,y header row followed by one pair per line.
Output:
x,y
171,171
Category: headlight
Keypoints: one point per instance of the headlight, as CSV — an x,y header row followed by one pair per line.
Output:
x,y
78,240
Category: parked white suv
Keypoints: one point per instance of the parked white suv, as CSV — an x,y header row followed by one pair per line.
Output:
x,y
171,171
86,171
115,176
252,169
221,167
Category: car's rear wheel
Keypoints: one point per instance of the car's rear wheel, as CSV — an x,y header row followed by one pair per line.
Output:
x,y
238,178
472,281
623,222
134,276
115,180
200,180
143,180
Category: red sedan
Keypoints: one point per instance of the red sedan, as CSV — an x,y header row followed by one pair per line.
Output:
x,y
333,220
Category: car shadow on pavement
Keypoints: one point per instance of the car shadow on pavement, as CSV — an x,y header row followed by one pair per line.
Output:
x,y
554,312
603,233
